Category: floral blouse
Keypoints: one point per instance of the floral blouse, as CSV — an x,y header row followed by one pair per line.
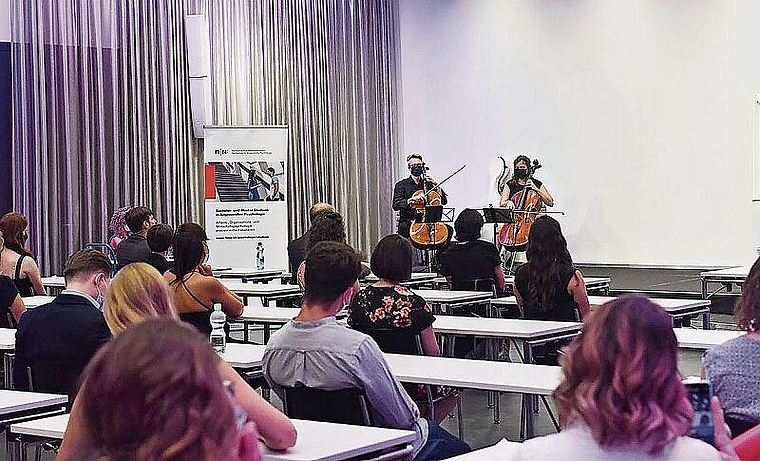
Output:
x,y
389,307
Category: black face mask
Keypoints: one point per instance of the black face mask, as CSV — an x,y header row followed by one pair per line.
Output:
x,y
417,169
521,173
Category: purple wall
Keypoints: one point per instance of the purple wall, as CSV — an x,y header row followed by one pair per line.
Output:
x,y
6,125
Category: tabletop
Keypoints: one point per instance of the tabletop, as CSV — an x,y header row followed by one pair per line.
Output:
x,y
475,374
729,272
34,301
55,281
243,355
502,450
51,427
260,289
7,339
505,328
330,441
267,314
689,338
668,304
451,296
247,272
15,401
416,277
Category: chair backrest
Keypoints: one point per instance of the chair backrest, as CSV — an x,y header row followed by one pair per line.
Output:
x,y
344,406
51,377
486,284
395,340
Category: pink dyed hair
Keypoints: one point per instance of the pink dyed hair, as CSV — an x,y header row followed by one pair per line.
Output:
x,y
621,377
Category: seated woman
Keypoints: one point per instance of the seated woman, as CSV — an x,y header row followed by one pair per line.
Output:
x,y
734,366
393,315
138,293
15,260
471,263
118,227
10,302
621,396
548,286
144,399
194,288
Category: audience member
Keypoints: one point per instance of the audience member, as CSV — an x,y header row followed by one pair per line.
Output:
x,y
734,366
56,340
388,306
10,302
622,396
195,292
118,227
135,247
138,293
159,238
145,399
16,261
327,226
315,351
471,263
297,247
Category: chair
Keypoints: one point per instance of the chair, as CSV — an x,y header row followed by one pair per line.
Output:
x,y
399,341
108,251
51,377
344,406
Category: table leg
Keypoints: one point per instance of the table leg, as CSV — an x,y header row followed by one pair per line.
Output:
x,y
704,288
8,370
267,332
706,319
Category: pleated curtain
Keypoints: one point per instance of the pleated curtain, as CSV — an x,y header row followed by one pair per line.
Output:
x,y
101,109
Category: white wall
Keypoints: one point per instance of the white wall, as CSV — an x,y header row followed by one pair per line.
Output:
x,y
640,111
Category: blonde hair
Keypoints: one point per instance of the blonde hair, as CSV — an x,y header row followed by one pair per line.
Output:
x,y
136,293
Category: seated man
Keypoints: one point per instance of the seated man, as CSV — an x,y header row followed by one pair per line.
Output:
x,y
315,351
56,340
135,248
297,247
159,239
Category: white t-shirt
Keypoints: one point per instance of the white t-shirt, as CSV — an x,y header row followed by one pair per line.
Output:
x,y
576,442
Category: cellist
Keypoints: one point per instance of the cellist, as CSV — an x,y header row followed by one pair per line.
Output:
x,y
405,189
520,180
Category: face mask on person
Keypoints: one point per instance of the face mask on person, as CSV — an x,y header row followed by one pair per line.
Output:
x,y
417,169
100,300
521,173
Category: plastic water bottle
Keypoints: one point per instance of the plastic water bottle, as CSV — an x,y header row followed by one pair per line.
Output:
x,y
218,319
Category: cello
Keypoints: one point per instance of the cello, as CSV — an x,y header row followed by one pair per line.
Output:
x,y
429,235
528,206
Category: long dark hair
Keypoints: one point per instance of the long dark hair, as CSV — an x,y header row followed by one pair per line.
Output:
x,y
12,226
547,257
188,252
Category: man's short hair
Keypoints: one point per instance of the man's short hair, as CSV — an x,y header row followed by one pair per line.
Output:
x,y
270,169
392,258
468,225
413,155
159,237
86,262
319,208
136,217
331,268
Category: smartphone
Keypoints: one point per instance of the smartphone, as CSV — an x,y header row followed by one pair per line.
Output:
x,y
702,426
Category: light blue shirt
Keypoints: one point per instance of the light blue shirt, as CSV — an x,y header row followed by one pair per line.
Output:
x,y
69,291
324,354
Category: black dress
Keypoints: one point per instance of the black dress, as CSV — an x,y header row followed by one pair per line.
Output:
x,y
8,293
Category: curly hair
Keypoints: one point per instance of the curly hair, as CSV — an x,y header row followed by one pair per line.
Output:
x,y
326,227
621,377
136,293
547,258
13,225
118,225
747,308
158,400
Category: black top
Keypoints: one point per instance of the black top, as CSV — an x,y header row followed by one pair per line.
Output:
x,y
565,308
64,335
403,191
296,253
395,307
8,293
158,261
23,285
515,187
134,249
466,262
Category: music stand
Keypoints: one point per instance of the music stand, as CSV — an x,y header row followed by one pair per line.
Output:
x,y
497,216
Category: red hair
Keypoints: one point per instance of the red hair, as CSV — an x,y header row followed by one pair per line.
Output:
x,y
621,377
13,225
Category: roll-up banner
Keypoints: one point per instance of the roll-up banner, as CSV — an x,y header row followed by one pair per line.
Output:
x,y
246,196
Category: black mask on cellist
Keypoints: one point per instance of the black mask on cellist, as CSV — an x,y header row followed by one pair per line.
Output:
x,y
417,169
521,173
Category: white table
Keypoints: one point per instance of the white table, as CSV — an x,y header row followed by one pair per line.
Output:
x,y
689,338
55,281
266,316
479,374
726,277
329,441
677,308
33,301
418,278
502,450
243,356
445,300
267,292
248,274
316,440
